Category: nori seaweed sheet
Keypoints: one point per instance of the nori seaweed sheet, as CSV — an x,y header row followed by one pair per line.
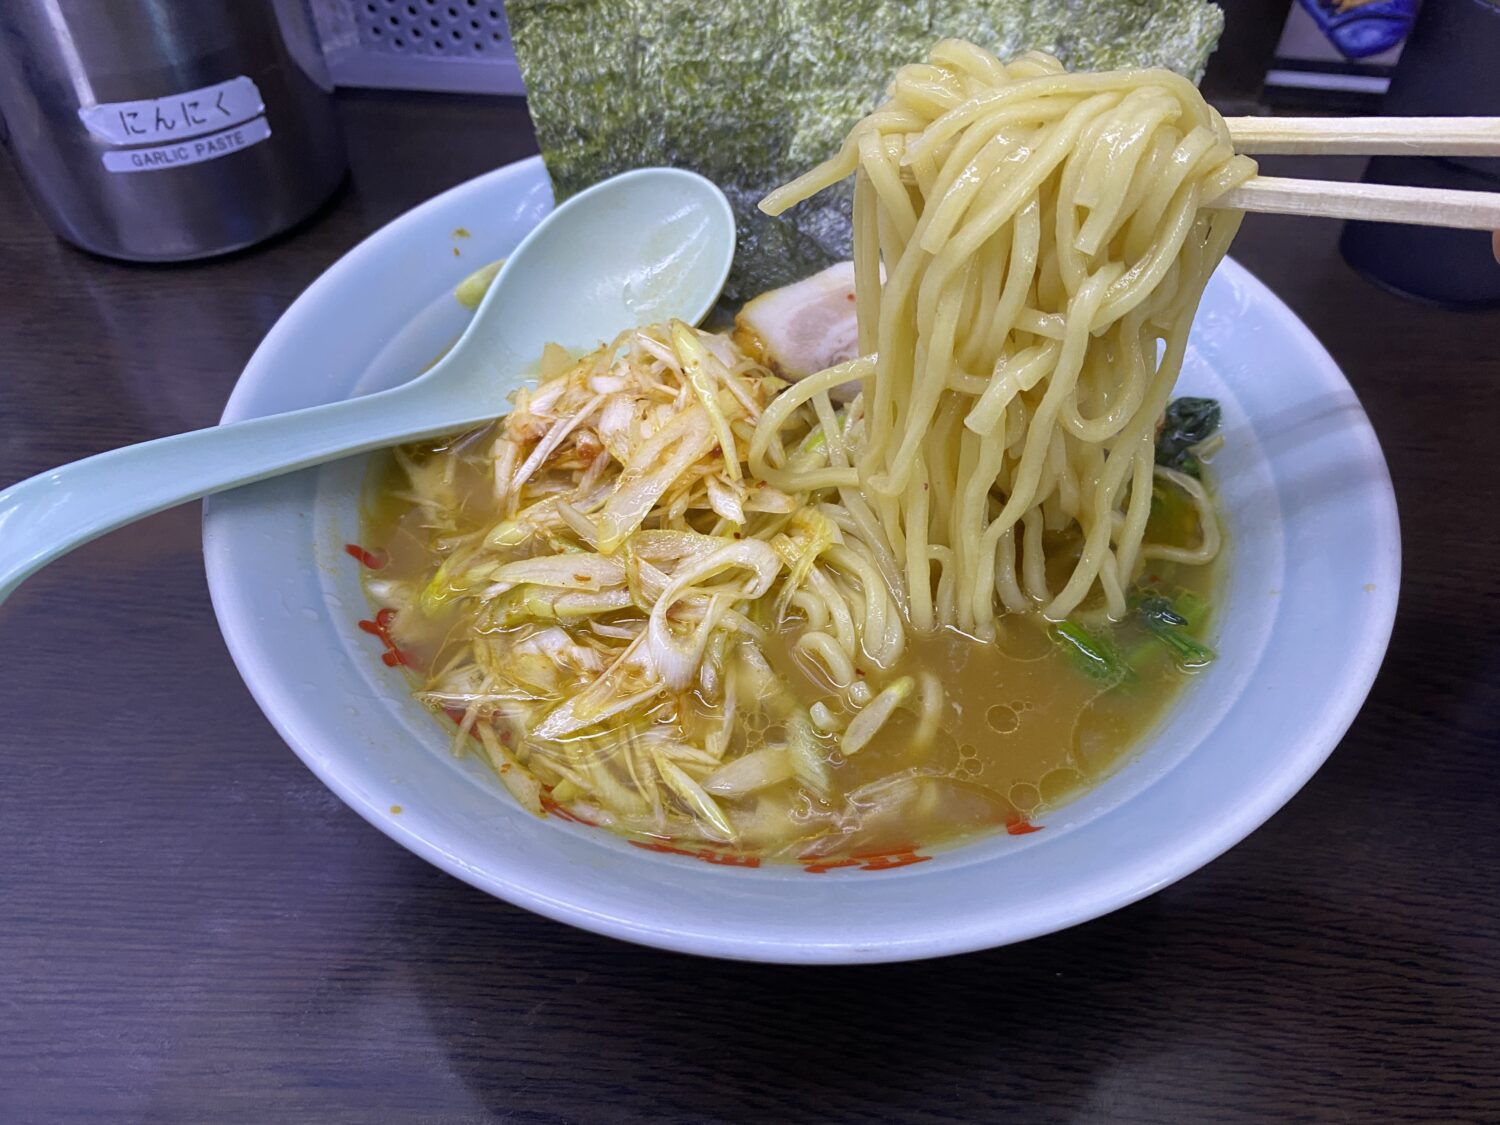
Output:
x,y
753,92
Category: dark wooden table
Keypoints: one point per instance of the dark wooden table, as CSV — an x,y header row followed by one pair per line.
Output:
x,y
194,929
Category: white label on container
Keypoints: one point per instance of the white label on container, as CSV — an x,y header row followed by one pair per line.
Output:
x,y
193,151
192,113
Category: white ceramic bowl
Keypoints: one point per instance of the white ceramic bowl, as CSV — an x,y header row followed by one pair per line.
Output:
x,y
1310,597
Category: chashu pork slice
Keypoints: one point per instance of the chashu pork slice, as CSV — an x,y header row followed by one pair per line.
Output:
x,y
801,329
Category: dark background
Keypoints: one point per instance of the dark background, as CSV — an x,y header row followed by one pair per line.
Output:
x,y
193,928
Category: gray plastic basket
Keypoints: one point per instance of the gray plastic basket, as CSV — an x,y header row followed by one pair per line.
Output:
x,y
445,45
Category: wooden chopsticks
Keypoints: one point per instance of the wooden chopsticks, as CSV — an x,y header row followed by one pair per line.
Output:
x,y
1375,203
1367,136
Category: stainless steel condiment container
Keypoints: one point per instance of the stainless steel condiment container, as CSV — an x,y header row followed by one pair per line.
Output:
x,y
163,130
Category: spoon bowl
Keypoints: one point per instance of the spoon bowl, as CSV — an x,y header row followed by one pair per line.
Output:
x,y
639,247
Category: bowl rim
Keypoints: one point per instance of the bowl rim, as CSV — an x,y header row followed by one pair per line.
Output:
x,y
1318,740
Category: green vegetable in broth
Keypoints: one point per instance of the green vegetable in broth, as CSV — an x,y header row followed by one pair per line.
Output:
x,y
1160,617
751,93
1089,652
1188,422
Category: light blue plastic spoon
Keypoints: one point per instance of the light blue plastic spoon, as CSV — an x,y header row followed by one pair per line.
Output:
x,y
638,248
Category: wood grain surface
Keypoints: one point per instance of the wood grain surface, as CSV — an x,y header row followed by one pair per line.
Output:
x,y
194,929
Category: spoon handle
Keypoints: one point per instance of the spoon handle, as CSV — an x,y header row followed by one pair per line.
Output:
x,y
49,514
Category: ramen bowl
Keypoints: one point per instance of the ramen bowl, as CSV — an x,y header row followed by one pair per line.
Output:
x,y
1304,614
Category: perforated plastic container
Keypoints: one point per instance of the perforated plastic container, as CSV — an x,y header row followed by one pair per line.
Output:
x,y
445,45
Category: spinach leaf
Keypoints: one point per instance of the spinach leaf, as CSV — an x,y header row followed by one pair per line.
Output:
x,y
1187,422
1091,654
1159,616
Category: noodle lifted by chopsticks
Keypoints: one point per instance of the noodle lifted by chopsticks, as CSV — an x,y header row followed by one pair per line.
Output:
x,y
1045,245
